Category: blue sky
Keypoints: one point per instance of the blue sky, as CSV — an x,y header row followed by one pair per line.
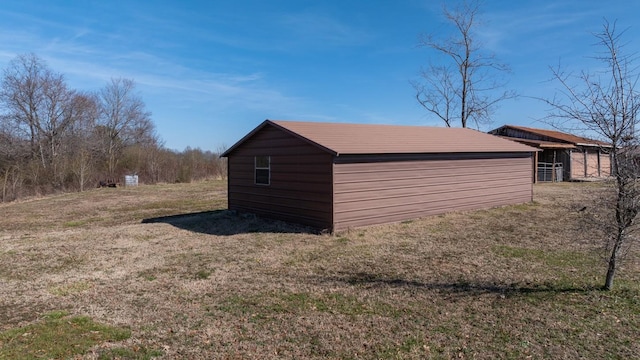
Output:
x,y
210,71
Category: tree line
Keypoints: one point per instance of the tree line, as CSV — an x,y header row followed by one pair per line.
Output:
x,y
54,138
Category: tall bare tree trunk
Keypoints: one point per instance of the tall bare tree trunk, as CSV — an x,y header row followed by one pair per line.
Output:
x,y
4,184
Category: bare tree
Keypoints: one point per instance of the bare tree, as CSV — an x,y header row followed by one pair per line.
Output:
x,y
607,103
123,120
14,152
467,87
20,96
10,154
80,142
39,107
55,138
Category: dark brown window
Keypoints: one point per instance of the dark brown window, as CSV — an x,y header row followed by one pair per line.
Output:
x,y
263,170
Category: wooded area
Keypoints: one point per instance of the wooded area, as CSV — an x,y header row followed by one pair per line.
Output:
x,y
54,138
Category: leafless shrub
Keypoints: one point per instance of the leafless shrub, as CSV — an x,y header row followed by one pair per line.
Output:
x,y
608,103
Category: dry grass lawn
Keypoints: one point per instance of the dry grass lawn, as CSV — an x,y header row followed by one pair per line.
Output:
x,y
193,281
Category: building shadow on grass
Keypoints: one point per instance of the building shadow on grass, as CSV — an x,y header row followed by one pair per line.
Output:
x,y
464,287
227,222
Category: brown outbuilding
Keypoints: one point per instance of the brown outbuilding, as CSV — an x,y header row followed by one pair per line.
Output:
x,y
563,157
335,176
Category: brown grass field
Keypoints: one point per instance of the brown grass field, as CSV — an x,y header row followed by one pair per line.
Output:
x,y
179,277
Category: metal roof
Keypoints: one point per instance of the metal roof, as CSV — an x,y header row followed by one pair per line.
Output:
x,y
357,139
541,143
561,136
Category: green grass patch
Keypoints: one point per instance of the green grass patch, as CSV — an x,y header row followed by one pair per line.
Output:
x,y
156,205
138,353
72,288
58,336
71,224
342,240
551,257
203,274
411,345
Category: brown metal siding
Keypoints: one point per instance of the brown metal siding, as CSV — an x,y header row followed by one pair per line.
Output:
x,y
577,164
592,163
300,187
381,192
605,164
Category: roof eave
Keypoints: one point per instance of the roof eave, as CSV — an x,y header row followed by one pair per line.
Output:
x,y
523,151
594,145
532,131
280,127
305,139
244,138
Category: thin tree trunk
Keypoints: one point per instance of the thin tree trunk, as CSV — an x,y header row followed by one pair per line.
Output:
x,y
463,100
621,225
81,179
611,270
4,185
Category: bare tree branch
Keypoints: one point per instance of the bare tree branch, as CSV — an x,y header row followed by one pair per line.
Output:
x,y
608,104
469,88
123,119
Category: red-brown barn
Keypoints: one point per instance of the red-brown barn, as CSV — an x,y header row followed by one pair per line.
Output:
x,y
335,176
563,157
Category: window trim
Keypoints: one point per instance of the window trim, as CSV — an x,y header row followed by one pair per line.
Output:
x,y
256,168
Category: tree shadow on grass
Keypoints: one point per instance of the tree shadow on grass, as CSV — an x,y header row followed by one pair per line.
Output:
x,y
227,222
465,287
